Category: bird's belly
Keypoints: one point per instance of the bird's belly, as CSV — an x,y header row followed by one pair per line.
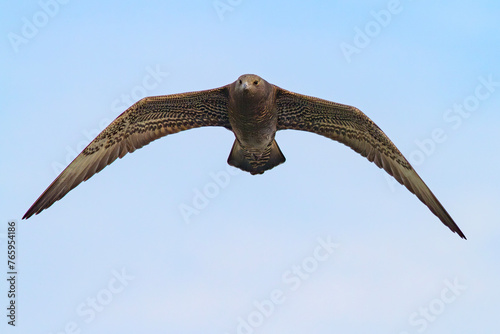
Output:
x,y
255,139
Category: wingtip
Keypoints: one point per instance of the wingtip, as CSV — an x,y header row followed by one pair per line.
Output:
x,y
32,211
27,215
453,226
455,229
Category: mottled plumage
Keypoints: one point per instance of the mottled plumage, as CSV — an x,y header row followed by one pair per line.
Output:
x,y
254,110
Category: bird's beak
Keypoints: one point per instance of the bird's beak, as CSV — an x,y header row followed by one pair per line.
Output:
x,y
244,86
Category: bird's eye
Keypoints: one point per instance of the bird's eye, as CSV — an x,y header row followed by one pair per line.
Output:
x,y
255,82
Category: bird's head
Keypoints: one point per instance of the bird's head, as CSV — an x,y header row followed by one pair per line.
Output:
x,y
251,86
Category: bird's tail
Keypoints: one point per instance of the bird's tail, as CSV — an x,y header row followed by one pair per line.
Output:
x,y
253,164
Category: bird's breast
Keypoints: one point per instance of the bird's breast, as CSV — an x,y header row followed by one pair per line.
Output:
x,y
253,126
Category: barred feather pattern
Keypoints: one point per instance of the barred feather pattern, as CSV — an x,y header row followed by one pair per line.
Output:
x,y
351,127
147,120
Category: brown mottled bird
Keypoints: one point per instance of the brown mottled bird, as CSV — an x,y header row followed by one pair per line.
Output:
x,y
254,110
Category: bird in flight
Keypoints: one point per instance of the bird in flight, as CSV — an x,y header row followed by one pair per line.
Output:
x,y
253,110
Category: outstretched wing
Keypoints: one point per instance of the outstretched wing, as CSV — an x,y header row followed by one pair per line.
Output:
x,y
147,120
353,128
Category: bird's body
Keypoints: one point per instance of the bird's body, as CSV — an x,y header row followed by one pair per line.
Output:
x,y
254,110
254,121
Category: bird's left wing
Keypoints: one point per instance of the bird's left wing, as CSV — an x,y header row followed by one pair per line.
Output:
x,y
147,120
353,128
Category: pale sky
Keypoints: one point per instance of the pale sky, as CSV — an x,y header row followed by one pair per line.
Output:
x,y
170,239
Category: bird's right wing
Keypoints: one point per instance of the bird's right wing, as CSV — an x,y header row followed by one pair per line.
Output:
x,y
147,120
353,128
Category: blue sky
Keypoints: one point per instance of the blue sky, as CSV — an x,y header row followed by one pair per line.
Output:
x,y
325,242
